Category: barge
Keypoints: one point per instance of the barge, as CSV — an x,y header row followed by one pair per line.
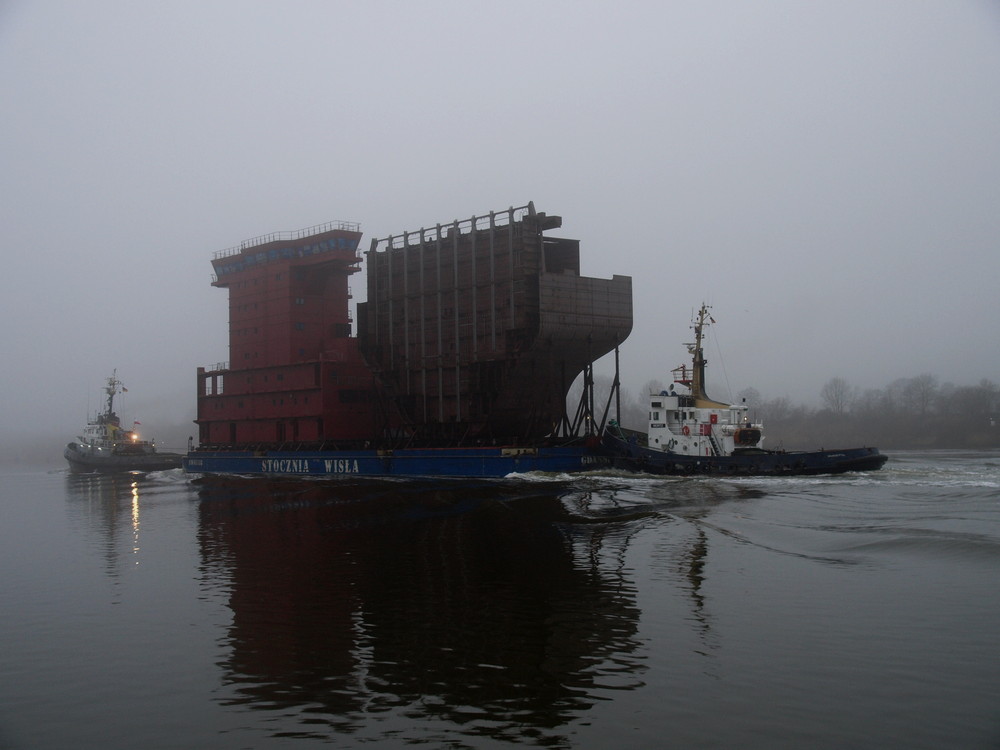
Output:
x,y
466,346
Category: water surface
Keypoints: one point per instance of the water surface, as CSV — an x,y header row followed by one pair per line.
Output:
x,y
594,611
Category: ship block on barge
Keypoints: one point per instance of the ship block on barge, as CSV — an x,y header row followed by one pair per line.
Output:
x,y
468,342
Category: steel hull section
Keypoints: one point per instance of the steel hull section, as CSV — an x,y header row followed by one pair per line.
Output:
x,y
630,456
444,462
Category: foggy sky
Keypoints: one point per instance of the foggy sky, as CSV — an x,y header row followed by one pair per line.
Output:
x,y
826,174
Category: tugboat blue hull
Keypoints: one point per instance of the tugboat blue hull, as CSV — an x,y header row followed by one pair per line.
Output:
x,y
83,461
629,455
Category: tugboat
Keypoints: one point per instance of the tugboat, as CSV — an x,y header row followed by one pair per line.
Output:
x,y
106,446
690,433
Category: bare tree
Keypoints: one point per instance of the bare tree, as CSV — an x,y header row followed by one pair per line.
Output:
x,y
635,412
751,397
777,408
872,403
975,403
651,386
836,394
919,393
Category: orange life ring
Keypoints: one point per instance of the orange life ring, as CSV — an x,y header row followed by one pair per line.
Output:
x,y
686,430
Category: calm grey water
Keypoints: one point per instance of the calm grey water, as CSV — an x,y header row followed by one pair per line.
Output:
x,y
595,612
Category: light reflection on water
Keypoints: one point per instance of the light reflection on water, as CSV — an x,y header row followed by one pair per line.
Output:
x,y
583,612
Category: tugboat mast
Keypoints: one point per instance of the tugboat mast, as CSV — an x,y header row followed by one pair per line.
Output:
x,y
697,380
111,389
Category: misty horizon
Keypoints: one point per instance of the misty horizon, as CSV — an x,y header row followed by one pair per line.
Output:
x,y
825,176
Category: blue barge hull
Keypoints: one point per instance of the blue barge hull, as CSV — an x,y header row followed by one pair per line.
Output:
x,y
411,462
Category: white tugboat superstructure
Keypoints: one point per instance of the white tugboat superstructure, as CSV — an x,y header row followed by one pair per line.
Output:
x,y
691,423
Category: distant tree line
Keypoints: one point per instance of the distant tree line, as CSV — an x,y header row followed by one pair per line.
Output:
x,y
909,413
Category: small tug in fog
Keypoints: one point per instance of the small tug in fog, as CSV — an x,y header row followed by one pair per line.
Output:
x,y
106,446
690,433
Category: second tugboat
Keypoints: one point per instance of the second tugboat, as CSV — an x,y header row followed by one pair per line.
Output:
x,y
690,433
106,446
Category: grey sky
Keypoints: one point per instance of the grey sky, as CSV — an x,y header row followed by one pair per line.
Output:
x,y
825,174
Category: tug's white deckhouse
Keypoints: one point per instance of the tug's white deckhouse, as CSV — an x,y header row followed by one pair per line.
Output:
x,y
690,423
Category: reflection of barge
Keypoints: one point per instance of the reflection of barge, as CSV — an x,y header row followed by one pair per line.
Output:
x,y
470,337
505,600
